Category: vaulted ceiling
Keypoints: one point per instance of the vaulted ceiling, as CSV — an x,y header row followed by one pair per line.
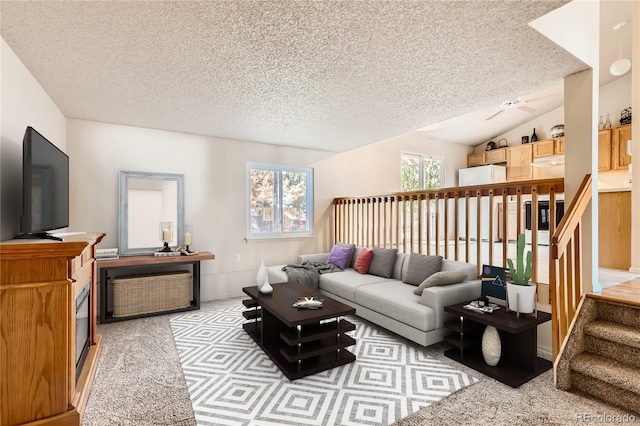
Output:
x,y
329,75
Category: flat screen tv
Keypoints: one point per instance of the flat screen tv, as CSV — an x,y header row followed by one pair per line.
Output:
x,y
45,187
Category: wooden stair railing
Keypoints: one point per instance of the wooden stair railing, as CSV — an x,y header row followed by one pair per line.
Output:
x,y
439,221
565,265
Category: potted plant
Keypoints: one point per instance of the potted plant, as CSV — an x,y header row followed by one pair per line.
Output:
x,y
521,293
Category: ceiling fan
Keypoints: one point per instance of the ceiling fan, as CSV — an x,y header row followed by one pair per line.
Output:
x,y
519,103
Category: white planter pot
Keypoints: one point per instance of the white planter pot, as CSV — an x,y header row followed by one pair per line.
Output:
x,y
522,298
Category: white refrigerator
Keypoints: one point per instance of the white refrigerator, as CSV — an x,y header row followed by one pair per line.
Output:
x,y
480,175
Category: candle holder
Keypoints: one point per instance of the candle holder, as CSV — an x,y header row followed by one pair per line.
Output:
x,y
166,235
188,234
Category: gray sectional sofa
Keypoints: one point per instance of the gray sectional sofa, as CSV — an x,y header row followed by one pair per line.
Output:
x,y
391,303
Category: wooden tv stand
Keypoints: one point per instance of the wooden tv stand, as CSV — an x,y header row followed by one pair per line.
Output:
x,y
38,284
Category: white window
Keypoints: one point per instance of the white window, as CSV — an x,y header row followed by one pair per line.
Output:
x,y
280,200
420,171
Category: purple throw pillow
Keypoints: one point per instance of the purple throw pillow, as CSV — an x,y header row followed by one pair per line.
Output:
x,y
339,256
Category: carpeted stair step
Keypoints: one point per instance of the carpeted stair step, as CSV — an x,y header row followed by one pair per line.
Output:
x,y
612,340
619,313
611,381
607,370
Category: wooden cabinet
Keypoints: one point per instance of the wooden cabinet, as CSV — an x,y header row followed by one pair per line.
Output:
x,y
612,149
620,159
604,150
512,221
39,280
548,148
614,238
519,159
543,148
495,156
476,159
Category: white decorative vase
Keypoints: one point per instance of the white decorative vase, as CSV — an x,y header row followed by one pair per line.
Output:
x,y
266,287
491,346
522,298
263,275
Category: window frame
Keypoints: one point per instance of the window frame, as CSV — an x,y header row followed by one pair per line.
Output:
x,y
278,209
422,157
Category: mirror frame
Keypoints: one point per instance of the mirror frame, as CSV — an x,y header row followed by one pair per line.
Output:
x,y
123,212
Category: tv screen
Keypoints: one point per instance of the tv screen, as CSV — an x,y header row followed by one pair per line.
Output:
x,y
45,185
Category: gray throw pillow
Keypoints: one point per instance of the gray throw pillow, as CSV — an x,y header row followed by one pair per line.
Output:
x,y
351,256
382,262
441,278
421,267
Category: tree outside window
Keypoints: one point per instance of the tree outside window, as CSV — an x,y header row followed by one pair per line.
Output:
x,y
419,171
280,200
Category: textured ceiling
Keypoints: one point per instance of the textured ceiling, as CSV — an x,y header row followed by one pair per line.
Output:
x,y
330,75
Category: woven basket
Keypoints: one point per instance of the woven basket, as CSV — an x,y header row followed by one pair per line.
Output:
x,y
145,294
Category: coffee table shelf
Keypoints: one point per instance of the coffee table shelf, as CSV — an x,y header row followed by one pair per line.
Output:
x,y
300,342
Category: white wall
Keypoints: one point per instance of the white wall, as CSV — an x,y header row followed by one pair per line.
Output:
x,y
215,193
23,103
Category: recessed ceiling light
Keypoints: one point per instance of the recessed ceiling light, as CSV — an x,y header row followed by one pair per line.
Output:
x,y
429,127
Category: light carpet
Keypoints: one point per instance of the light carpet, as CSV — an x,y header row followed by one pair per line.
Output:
x,y
231,381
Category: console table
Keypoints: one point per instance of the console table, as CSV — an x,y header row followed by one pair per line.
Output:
x,y
148,262
519,362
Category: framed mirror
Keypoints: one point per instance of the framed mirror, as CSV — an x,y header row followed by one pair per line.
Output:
x,y
146,200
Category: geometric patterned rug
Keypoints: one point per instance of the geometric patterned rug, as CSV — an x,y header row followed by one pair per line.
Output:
x,y
232,382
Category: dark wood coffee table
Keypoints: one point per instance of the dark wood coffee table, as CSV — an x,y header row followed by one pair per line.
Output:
x,y
300,342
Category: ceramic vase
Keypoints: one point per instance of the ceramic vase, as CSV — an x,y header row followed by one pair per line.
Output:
x,y
522,298
266,287
263,275
491,346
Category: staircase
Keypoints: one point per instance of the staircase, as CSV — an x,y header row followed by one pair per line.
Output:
x,y
601,355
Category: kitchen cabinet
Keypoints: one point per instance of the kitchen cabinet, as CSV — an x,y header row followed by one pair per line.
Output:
x,y
620,159
476,159
512,220
612,149
519,159
543,148
496,156
604,150
614,238
547,148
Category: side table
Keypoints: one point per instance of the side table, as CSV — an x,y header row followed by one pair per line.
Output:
x,y
519,362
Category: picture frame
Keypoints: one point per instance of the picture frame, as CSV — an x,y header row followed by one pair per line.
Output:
x,y
525,139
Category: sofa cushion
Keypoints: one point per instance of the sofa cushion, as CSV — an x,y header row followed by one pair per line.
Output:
x,y
421,267
453,265
344,284
363,261
340,256
352,256
396,300
441,278
383,262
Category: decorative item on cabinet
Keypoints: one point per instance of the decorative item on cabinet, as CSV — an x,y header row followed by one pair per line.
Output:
x,y
625,116
557,131
262,277
502,143
601,123
534,137
607,124
490,145
525,139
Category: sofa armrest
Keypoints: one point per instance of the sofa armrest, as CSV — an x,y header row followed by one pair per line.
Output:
x,y
440,296
317,257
